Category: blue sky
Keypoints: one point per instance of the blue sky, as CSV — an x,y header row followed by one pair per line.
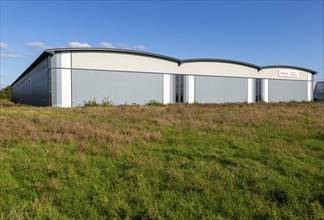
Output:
x,y
259,32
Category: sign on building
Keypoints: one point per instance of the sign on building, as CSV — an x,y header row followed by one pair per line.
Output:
x,y
289,73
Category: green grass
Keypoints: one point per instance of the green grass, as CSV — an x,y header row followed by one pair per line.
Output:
x,y
230,161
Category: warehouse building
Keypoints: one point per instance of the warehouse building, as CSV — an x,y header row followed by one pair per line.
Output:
x,y
319,92
69,77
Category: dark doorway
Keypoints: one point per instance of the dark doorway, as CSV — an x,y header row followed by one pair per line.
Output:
x,y
179,88
258,89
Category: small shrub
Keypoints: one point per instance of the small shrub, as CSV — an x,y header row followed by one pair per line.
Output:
x,y
106,102
91,103
5,93
154,103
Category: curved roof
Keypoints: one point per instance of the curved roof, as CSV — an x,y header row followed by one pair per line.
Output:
x,y
154,55
289,67
113,50
221,61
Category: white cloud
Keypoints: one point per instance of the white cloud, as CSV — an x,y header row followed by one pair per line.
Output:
x,y
107,45
78,44
4,46
37,45
10,55
140,47
122,46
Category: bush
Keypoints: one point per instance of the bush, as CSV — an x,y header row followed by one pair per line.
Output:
x,y
106,102
91,103
5,93
154,102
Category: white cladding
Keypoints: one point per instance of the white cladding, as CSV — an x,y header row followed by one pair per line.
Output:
x,y
191,83
250,90
265,86
65,75
310,87
139,63
166,88
65,60
66,88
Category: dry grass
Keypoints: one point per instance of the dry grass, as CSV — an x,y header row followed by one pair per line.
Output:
x,y
126,125
6,103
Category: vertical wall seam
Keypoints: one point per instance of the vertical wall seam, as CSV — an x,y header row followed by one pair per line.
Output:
x,y
49,64
71,77
163,99
310,90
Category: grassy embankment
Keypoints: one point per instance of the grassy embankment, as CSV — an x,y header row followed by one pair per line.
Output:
x,y
226,161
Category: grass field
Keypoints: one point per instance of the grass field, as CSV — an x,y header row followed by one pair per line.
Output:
x,y
230,161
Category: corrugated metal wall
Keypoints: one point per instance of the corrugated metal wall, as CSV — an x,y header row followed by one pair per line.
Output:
x,y
220,89
287,90
119,87
20,92
33,89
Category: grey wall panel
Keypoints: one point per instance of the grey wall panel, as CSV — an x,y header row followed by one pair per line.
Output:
x,y
172,89
287,90
220,89
186,89
54,87
253,90
56,83
39,89
20,92
33,89
120,87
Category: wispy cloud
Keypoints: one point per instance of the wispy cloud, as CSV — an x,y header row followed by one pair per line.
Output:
x,y
140,47
78,44
136,47
37,45
4,46
107,45
10,55
122,46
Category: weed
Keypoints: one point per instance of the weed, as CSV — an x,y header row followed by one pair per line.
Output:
x,y
106,102
154,103
91,103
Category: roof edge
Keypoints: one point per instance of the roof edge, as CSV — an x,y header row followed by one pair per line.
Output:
x,y
221,61
89,49
290,67
37,61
